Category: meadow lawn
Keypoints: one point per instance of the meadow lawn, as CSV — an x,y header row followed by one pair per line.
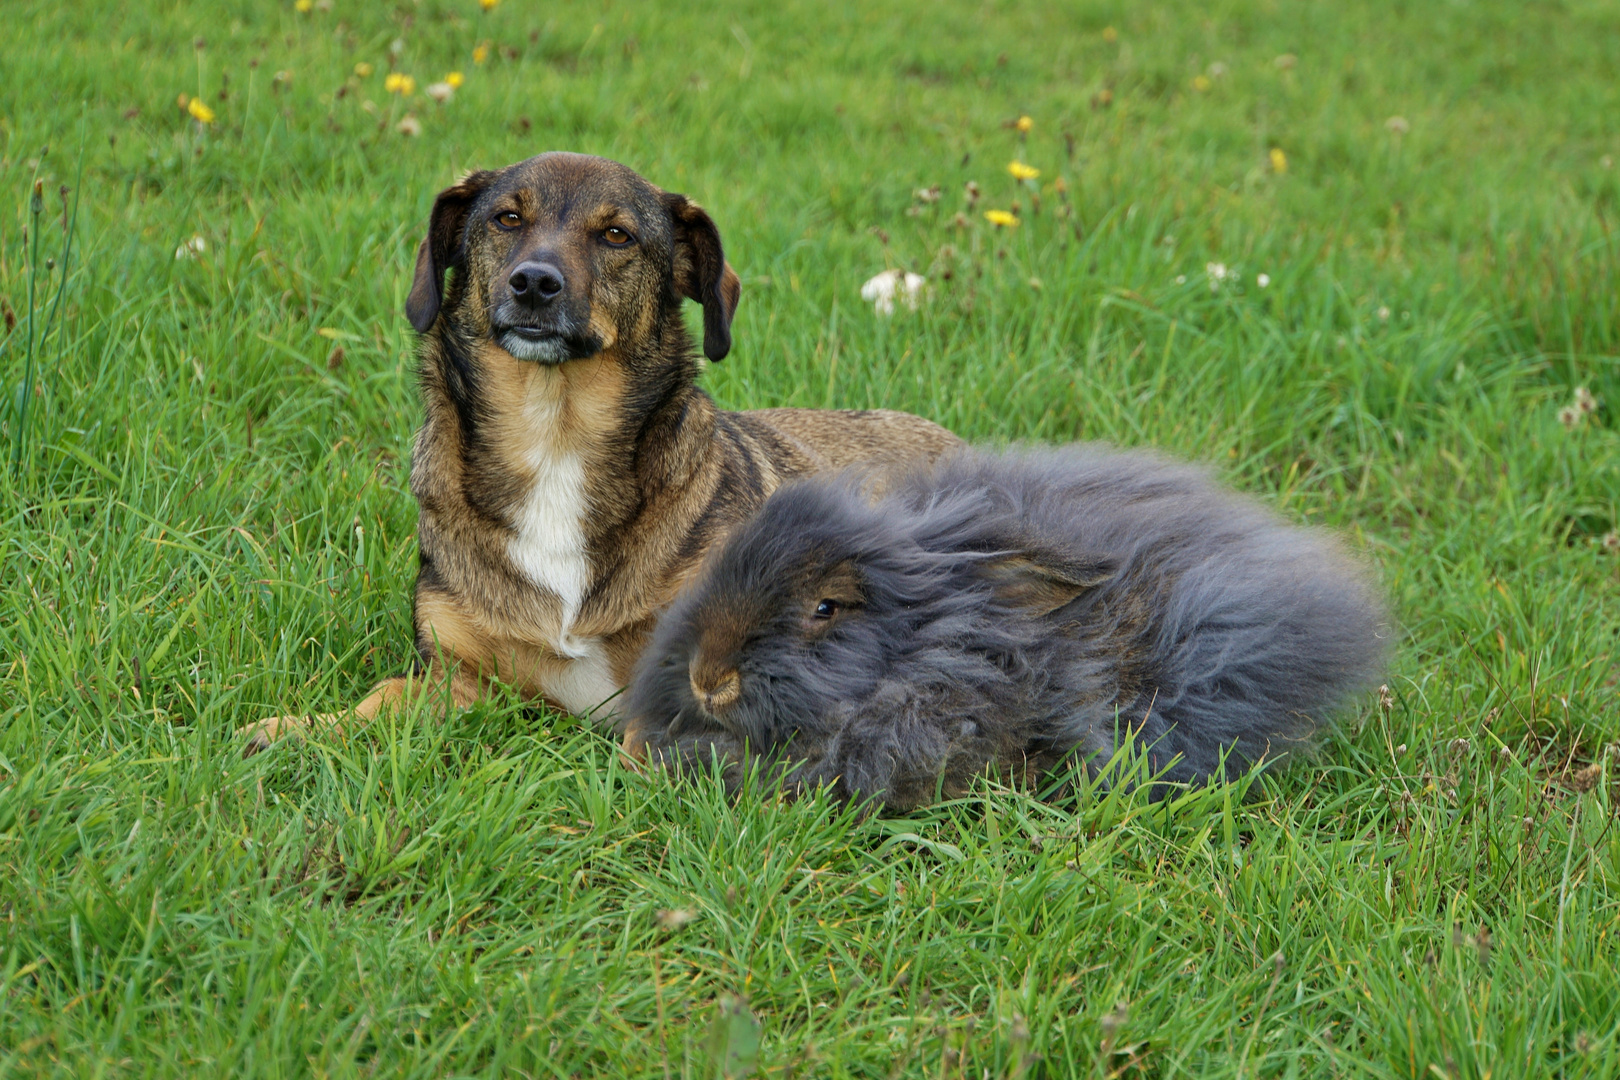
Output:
x,y
1361,255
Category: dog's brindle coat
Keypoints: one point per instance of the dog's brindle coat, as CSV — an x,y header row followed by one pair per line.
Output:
x,y
569,472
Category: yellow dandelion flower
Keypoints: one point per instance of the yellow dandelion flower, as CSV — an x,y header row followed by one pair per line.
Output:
x,y
489,5
1202,84
1279,161
1025,125
363,70
392,82
1110,35
455,79
1001,218
480,53
304,7
200,112
1020,171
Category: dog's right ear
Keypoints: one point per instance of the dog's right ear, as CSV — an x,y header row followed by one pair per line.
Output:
x,y
441,247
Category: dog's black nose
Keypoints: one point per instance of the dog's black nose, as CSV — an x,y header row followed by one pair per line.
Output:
x,y
536,281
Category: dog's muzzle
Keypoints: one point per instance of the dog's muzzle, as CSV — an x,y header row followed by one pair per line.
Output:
x,y
551,338
544,345
532,317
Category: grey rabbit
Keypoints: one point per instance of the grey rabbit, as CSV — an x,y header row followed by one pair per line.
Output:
x,y
1006,612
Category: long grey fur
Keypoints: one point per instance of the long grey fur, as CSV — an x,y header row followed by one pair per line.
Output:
x,y
1015,610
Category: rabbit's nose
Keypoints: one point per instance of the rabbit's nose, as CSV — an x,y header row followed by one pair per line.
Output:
x,y
716,691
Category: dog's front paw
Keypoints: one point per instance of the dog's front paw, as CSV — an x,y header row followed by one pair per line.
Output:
x,y
258,736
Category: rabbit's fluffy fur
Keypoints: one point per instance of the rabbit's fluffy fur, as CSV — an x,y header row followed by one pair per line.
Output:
x,y
1006,611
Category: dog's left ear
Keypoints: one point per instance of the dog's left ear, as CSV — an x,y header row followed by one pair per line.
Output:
x,y
702,273
441,247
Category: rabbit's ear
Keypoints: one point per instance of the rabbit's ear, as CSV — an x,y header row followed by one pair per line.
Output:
x,y
1040,582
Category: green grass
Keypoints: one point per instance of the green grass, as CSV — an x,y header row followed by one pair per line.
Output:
x,y
205,520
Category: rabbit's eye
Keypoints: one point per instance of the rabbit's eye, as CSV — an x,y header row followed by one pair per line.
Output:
x,y
826,609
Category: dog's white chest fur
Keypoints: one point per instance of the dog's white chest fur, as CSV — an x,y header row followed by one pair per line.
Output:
x,y
549,544
548,548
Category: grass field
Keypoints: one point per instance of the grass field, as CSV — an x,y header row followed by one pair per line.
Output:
x,y
204,519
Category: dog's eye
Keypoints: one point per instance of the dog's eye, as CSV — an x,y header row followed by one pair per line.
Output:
x,y
616,236
826,609
508,220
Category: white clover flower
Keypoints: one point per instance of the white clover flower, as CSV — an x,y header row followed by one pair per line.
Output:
x,y
1263,280
191,248
1217,273
410,126
440,91
891,285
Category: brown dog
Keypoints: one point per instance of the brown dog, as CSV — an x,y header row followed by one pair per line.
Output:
x,y
570,474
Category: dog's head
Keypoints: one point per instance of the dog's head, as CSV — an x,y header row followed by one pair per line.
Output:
x,y
562,256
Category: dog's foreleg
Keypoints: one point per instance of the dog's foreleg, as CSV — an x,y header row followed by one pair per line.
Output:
x,y
390,695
